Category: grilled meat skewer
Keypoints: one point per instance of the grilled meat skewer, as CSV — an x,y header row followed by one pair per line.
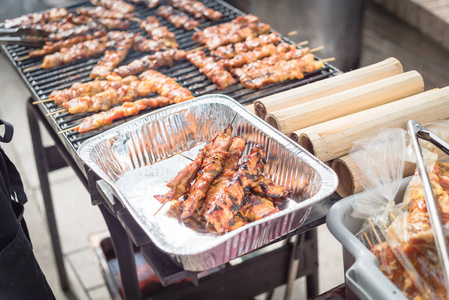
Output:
x,y
88,89
156,82
234,31
154,61
114,5
50,48
76,52
213,70
211,167
142,44
125,110
153,3
229,51
197,9
37,18
156,31
177,17
99,12
121,43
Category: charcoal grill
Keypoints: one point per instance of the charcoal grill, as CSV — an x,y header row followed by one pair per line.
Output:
x,y
42,82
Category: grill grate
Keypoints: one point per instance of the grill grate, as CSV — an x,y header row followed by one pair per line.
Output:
x,y
42,82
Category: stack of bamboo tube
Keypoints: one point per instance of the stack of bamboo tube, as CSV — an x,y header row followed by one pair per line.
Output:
x,y
327,116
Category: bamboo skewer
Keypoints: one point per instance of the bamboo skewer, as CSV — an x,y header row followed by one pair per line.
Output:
x,y
302,43
135,19
375,231
291,33
31,68
55,112
24,58
68,129
326,87
44,101
328,59
368,240
316,49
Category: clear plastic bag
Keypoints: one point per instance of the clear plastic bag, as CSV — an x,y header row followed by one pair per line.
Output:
x,y
400,235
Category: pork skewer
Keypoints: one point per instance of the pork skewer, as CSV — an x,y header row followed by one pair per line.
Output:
x,y
156,82
76,52
213,70
153,3
156,31
142,44
127,109
229,51
121,43
234,31
197,9
210,169
154,61
99,12
37,18
50,48
87,89
177,18
114,5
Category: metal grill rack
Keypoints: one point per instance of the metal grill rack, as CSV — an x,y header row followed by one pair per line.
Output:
x,y
42,82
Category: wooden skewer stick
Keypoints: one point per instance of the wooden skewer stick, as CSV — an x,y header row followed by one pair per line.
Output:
x,y
43,101
55,112
135,19
68,129
316,49
302,43
185,157
31,68
160,208
24,58
196,49
196,29
368,240
328,59
375,231
292,33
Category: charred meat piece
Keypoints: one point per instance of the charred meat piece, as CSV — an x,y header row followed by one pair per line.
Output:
x,y
229,51
156,31
210,169
177,18
101,12
114,5
197,9
37,18
255,208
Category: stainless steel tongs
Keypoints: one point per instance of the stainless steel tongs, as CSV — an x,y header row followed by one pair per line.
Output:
x,y
415,131
23,36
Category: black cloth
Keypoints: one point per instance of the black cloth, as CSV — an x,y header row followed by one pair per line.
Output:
x,y
20,274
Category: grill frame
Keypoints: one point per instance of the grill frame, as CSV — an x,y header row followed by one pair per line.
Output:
x,y
41,82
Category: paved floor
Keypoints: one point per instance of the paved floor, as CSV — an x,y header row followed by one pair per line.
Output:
x,y
77,219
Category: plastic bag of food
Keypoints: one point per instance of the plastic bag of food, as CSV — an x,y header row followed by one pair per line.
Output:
x,y
400,236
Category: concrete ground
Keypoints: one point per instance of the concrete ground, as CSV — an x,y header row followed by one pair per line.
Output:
x,y
77,219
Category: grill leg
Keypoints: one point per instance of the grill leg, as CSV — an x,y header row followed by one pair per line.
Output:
x,y
43,170
312,279
125,255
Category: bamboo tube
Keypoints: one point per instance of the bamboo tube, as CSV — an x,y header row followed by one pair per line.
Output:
x,y
386,68
334,138
250,107
347,102
350,175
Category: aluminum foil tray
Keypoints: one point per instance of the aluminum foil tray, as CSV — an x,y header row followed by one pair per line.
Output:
x,y
138,158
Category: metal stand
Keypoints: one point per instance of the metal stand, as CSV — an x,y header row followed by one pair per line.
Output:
x,y
245,280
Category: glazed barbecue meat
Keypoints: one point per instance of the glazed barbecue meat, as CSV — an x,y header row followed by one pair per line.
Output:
x,y
114,5
197,9
211,168
153,3
228,199
154,61
125,110
213,70
37,18
101,12
88,89
76,52
255,208
156,31
142,44
235,31
229,51
119,44
177,18
154,82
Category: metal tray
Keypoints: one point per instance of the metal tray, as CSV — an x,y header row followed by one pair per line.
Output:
x,y
139,157
363,276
